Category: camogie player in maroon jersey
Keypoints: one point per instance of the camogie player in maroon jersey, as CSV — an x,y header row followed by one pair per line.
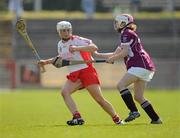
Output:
x,y
140,68
72,47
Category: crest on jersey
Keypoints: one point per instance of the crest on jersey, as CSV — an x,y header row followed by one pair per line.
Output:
x,y
125,38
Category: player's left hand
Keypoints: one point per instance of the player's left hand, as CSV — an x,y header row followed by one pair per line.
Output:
x,y
72,49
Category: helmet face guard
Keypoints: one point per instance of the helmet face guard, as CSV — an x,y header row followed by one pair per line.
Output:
x,y
119,25
64,26
122,21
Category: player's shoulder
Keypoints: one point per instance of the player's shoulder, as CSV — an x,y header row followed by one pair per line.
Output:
x,y
127,35
128,32
59,42
81,39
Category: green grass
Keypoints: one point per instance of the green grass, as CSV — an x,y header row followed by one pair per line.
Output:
x,y
43,114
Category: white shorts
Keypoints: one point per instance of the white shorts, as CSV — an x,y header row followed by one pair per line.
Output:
x,y
141,73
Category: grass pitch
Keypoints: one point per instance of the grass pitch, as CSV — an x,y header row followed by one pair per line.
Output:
x,y
43,114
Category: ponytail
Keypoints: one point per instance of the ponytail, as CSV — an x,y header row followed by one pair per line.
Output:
x,y
132,26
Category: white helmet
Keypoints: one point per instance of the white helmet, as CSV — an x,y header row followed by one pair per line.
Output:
x,y
122,20
63,25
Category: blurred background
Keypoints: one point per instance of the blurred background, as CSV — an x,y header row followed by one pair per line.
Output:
x,y
158,24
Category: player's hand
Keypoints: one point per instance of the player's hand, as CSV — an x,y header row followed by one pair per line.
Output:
x,y
42,62
73,49
110,60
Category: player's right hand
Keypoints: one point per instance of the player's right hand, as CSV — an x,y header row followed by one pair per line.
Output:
x,y
42,62
72,49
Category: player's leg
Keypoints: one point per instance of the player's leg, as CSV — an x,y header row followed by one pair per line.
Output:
x,y
127,96
66,92
139,88
90,81
95,92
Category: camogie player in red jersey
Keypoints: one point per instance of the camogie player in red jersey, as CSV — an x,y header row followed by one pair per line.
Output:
x,y
72,47
140,67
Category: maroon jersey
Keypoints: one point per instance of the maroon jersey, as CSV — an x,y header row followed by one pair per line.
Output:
x,y
137,56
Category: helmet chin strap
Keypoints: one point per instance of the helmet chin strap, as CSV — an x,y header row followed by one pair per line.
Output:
x,y
65,39
120,29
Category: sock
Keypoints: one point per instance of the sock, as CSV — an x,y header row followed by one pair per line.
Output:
x,y
76,115
116,119
128,99
149,110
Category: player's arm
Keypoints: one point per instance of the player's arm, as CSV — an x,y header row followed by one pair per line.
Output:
x,y
47,61
102,55
106,55
89,48
126,41
118,55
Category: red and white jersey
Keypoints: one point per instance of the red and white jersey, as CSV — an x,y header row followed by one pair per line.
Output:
x,y
63,51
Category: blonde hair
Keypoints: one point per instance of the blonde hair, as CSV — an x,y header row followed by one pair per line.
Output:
x,y
133,26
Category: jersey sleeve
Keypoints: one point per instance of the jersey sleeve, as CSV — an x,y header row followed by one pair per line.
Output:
x,y
126,39
59,49
83,41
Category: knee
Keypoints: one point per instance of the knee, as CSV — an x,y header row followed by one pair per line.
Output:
x,y
64,93
100,101
120,86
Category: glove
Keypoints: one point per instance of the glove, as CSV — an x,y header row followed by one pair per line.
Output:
x,y
59,62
